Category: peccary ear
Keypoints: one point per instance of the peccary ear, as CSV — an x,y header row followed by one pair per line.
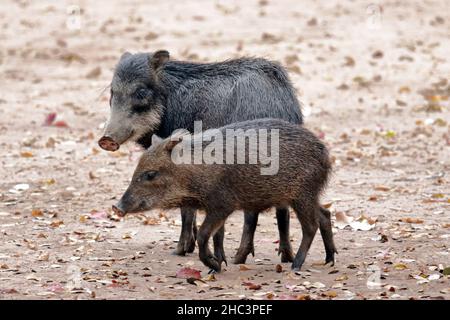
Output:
x,y
176,137
156,140
158,59
125,55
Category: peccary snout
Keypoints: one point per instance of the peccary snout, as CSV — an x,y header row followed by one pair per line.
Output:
x,y
130,203
107,143
125,205
118,210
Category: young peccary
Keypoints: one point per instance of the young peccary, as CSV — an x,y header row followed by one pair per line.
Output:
x,y
300,172
152,94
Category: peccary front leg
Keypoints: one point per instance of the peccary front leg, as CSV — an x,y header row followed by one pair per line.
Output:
x,y
186,244
308,215
219,251
210,226
285,248
246,247
327,235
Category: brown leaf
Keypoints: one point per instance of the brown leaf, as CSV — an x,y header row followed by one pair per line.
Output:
x,y
26,154
377,54
94,73
151,221
411,220
349,61
251,285
56,223
341,278
36,213
382,188
243,267
330,294
279,268
151,36
8,291
404,89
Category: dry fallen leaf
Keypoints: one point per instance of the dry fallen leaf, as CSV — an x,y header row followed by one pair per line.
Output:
x,y
61,124
56,223
361,223
26,154
210,277
44,256
411,220
341,278
330,294
8,291
382,188
251,285
279,268
400,266
148,221
327,205
36,213
49,119
186,273
243,267
94,73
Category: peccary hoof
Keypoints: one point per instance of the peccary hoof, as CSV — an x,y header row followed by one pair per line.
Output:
x,y
286,255
330,260
108,144
212,263
242,254
185,246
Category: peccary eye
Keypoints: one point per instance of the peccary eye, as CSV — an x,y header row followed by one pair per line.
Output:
x,y
149,175
141,108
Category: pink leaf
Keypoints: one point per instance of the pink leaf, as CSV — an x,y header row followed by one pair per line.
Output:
x,y
56,288
98,215
8,291
49,119
61,124
186,273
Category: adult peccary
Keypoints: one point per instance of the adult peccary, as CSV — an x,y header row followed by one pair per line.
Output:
x,y
303,166
152,94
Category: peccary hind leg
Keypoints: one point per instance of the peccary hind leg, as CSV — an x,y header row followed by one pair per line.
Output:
x,y
246,247
219,251
327,235
186,244
285,248
309,215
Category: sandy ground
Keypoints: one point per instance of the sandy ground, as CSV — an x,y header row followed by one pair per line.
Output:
x,y
373,79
